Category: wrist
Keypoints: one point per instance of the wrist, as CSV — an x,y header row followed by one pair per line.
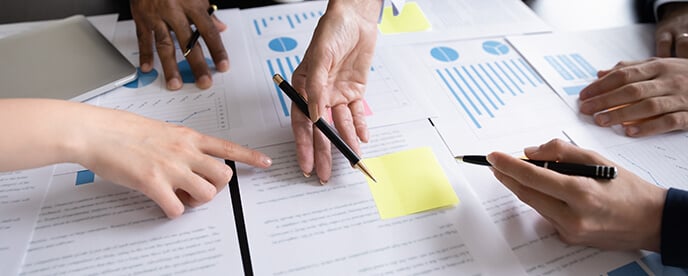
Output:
x,y
368,9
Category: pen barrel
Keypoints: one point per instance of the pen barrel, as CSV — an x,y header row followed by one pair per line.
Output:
x,y
295,98
331,134
321,124
593,171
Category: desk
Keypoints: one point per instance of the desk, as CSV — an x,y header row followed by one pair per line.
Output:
x,y
337,225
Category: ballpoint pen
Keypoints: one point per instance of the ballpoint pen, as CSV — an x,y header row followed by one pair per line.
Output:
x,y
594,171
196,34
323,126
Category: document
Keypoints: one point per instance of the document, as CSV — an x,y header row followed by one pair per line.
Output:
x,y
231,108
90,226
483,92
466,19
21,195
569,61
296,226
659,159
489,98
278,37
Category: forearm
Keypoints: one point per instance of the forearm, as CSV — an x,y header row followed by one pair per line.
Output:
x,y
39,132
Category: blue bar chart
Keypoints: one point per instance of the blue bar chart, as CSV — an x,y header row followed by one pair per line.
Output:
x,y
269,22
574,69
484,89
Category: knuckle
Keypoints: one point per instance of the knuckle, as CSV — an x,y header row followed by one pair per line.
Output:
x,y
676,120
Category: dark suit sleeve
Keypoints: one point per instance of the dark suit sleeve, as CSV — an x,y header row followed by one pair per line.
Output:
x,y
674,237
645,10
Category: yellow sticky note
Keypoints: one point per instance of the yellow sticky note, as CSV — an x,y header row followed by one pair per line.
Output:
x,y
411,19
409,182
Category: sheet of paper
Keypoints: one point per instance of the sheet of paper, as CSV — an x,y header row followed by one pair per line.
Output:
x,y
336,227
231,108
484,92
278,37
490,99
568,61
104,23
660,159
411,20
21,195
98,227
409,182
462,19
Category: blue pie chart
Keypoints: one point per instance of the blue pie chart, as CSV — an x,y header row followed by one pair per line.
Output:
x,y
185,70
142,79
444,54
282,44
495,48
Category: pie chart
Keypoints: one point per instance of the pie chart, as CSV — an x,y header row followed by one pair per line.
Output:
x,y
142,79
444,54
495,48
185,70
282,44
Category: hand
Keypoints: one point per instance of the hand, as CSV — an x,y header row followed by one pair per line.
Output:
x,y
646,97
173,165
619,214
671,35
156,19
333,75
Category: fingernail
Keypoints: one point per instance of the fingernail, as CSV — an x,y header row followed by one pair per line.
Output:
x,y
146,67
306,175
313,110
632,130
223,66
602,119
323,182
531,150
174,84
267,161
204,82
490,158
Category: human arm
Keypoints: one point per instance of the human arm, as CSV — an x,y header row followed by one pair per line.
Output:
x,y
671,34
620,214
646,97
333,74
172,165
156,19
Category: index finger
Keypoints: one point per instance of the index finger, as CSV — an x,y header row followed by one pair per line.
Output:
x,y
539,179
317,63
619,77
231,151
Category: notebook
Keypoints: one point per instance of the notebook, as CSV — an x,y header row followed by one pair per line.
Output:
x,y
67,59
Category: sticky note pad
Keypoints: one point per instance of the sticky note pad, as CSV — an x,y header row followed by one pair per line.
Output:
x,y
411,19
409,182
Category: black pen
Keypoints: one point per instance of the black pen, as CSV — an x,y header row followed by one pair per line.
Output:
x,y
323,126
594,171
196,34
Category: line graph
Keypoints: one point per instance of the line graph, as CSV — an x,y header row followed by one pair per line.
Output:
x,y
205,111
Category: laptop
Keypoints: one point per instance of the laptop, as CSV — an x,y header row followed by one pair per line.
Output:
x,y
67,59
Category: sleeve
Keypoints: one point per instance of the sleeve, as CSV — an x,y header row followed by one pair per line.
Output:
x,y
674,233
658,3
